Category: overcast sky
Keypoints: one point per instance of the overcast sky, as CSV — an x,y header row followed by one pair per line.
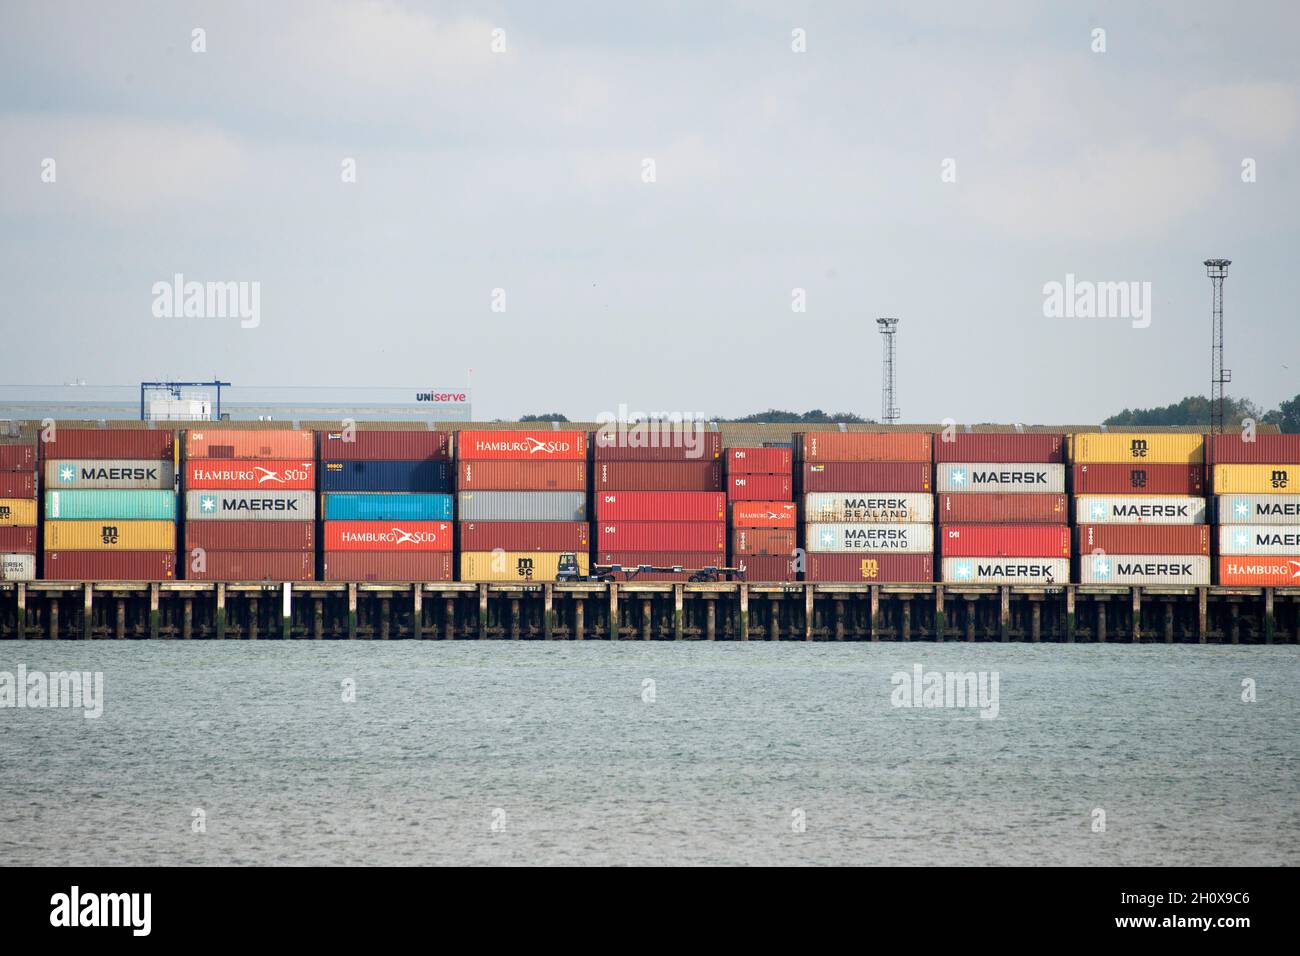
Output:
x,y
774,170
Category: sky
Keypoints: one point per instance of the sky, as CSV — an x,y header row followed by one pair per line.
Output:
x,y
594,205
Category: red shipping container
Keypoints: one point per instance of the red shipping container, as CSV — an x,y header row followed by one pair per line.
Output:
x,y
764,514
662,536
749,487
250,535
866,476
1258,572
109,566
17,457
764,541
143,443
1014,447
525,536
760,461
659,476
385,445
521,476
866,446
254,443
1139,479
388,536
1004,541
660,506
255,566
768,568
395,566
214,473
522,445
17,484
978,508
880,569
17,540
694,445
1264,450
1144,538
687,560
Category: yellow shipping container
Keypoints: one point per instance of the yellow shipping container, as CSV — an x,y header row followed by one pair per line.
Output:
x,y
517,566
17,513
1099,448
110,535
1256,479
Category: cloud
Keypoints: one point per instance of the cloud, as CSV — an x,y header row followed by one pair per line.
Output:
x,y
1252,113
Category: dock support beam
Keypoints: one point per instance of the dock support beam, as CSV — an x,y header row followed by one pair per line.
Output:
x,y
1036,621
1234,611
88,612
1101,619
744,612
449,621
54,618
774,622
1137,615
679,598
940,614
875,615
647,619
1202,599
1069,614
1169,622
579,624
252,618
907,618
711,618
153,611
514,619
808,612
1004,614
221,612
417,611
22,612
1269,624
187,619
613,612
286,613
318,619
120,629
482,612
385,617
548,611
970,619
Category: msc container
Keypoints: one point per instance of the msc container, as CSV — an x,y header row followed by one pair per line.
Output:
x,y
1138,509
661,506
208,473
760,461
1140,569
388,566
17,484
661,536
521,475
20,540
1144,538
17,567
997,509
1258,509
521,506
518,566
670,443
17,512
751,487
110,565
110,474
254,566
381,506
1139,479
1264,450
1004,541
525,535
658,476
769,567
250,505
767,514
686,560
122,505
865,446
901,538
877,569
17,457
394,445
1260,540
999,478
994,570
521,445
73,443
1256,479
264,443
425,475
1097,448
764,541
250,536
388,536
110,535
866,476
1034,447
1259,572
838,507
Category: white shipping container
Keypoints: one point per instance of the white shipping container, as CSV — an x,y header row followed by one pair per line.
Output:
x,y
1186,569
887,538
999,478
17,567
118,474
868,507
1260,540
250,505
1138,509
1006,570
1259,509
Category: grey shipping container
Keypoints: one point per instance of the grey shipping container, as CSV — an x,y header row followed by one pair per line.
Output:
x,y
521,506
125,474
17,567
250,505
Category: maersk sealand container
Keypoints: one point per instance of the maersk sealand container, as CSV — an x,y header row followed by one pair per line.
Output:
x,y
360,506
115,505
424,475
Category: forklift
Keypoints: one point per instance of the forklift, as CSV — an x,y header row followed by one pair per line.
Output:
x,y
568,571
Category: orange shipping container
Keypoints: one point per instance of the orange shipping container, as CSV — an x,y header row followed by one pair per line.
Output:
x,y
1259,572
522,476
866,446
511,445
764,514
249,443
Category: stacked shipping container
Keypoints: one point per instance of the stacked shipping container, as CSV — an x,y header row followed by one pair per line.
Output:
x,y
17,512
1257,489
387,505
764,518
1022,535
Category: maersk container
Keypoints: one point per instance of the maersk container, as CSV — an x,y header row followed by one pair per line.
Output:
x,y
876,569
898,538
521,445
109,566
361,506
866,476
767,514
661,506
657,476
661,536
1256,479
1144,569
17,484
522,567
73,443
1138,509
1143,538
1261,450
521,475
1000,509
263,443
1258,509
17,512
752,487
397,444
1259,572
1139,479
760,461
250,506
17,567
1038,447
18,540
1098,448
275,566
663,442
385,476
395,566
1260,540
122,505
110,474
1009,541
525,536
994,570
250,536
249,475
110,535
865,446
521,506
868,507
999,478
16,457
764,541
388,536
771,567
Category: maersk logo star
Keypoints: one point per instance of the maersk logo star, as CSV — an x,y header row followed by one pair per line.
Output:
x,y
1101,568
1099,510
207,503
1242,509
1241,539
964,571
67,473
958,476
828,537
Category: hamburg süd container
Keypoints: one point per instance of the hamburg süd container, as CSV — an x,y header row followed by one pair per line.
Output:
x,y
764,541
110,474
263,443
18,457
1256,479
110,565
75,443
1262,450
110,536
385,445
251,536
249,474
888,507
383,506
660,506
876,569
760,461
994,570
519,566
521,445
658,476
1004,541
1141,569
525,535
1143,538
900,538
1099,448
17,512
1039,447
865,446
17,566
415,476
1002,478
521,506
254,566
122,505
1138,509
18,540
866,476
250,505
751,487
1260,540
521,475
1258,509
661,536
1259,572
387,536
669,444
768,514
388,566
1000,509
17,484
1139,479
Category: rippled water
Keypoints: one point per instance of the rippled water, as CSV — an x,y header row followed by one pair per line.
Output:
x,y
555,745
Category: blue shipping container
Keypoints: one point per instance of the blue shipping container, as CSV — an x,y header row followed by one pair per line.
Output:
x,y
370,507
115,505
424,475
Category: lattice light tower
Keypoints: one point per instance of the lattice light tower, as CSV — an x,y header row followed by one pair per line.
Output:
x,y
1217,269
888,386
